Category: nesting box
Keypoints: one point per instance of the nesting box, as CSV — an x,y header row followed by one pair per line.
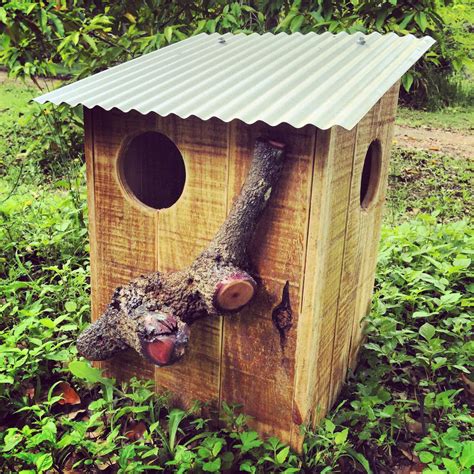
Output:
x,y
169,138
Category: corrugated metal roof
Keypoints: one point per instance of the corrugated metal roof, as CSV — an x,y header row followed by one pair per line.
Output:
x,y
320,79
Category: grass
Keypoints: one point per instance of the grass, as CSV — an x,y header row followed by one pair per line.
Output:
x,y
453,118
408,406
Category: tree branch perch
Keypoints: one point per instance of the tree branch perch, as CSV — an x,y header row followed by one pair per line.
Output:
x,y
152,314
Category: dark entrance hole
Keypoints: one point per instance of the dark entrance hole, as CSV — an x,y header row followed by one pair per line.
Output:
x,y
369,182
152,170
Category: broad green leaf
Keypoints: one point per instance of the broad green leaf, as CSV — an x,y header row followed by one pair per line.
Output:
x,y
3,15
43,20
131,18
296,23
47,322
329,425
168,33
58,24
90,41
381,19
467,456
70,306
425,457
427,331
406,20
341,436
407,81
421,314
285,23
83,370
212,466
11,439
44,462
175,417
421,20
451,466
361,459
282,455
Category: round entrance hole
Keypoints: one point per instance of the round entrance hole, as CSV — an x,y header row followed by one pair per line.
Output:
x,y
370,178
152,170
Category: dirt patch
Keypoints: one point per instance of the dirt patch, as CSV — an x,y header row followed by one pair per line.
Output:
x,y
435,140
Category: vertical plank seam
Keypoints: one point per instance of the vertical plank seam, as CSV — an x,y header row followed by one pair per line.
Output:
x,y
222,321
305,253
344,248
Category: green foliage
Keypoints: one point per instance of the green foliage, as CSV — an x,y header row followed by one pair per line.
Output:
x,y
82,37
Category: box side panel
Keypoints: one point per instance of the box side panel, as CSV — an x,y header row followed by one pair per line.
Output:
x,y
124,242
324,257
184,230
362,239
257,366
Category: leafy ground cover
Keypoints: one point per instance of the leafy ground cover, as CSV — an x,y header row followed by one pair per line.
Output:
x,y
407,407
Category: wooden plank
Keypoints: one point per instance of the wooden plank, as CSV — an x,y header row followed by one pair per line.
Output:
x,y
326,233
183,232
256,371
125,232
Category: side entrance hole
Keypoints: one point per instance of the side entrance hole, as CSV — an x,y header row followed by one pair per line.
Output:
x,y
370,179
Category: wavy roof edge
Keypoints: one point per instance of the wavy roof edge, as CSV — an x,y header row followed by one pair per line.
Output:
x,y
267,77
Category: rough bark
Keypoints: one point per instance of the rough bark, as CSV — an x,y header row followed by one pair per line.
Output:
x,y
152,314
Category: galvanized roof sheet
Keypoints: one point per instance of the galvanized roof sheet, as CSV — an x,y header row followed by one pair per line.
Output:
x,y
319,79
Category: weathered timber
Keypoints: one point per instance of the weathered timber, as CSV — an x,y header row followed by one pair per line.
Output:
x,y
152,313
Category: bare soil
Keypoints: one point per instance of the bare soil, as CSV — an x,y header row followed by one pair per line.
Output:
x,y
456,144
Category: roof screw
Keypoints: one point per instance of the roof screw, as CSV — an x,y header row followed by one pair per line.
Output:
x,y
361,40
222,40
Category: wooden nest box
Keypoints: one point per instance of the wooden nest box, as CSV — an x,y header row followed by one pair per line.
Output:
x,y
169,140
